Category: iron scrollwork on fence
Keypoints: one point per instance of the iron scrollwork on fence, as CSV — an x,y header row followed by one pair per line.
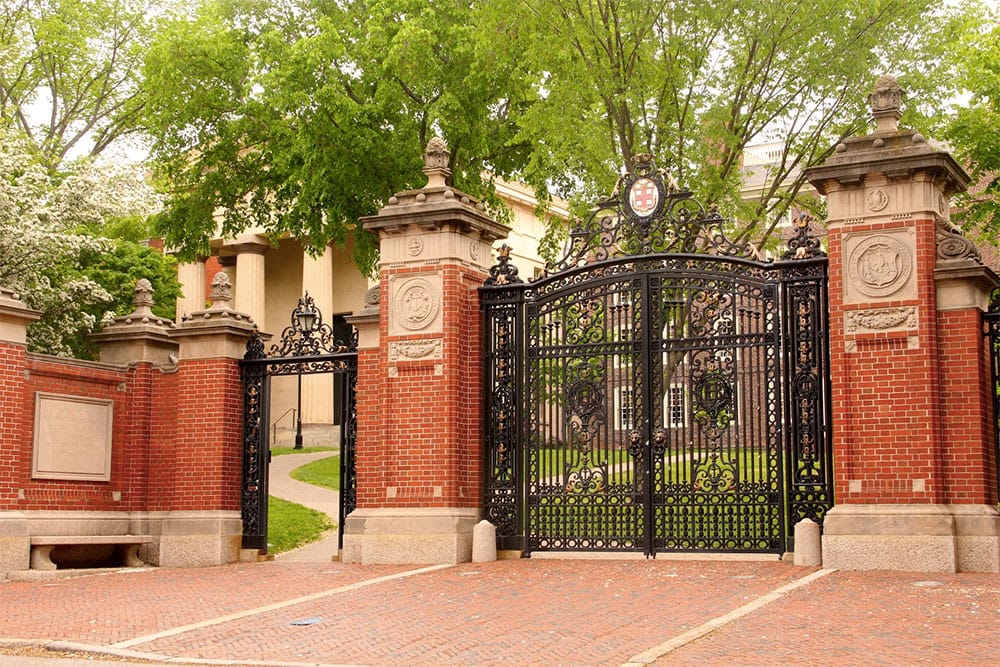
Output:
x,y
657,378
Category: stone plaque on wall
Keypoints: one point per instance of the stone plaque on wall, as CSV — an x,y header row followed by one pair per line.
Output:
x,y
415,304
72,438
879,267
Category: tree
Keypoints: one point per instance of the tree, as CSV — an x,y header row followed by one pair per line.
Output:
x,y
973,133
301,116
69,73
56,251
695,83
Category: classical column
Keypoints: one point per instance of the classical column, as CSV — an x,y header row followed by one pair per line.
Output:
x,y
419,376
317,390
249,290
191,276
910,385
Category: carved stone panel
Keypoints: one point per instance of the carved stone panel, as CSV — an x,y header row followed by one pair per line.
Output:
x,y
881,319
879,267
415,350
415,304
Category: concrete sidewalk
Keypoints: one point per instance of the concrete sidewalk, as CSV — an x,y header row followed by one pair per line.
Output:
x,y
522,612
281,485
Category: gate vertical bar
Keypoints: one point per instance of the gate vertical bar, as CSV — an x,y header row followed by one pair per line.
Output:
x,y
991,322
256,450
348,438
502,303
646,414
808,459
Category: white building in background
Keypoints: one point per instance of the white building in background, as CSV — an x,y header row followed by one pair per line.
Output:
x,y
269,278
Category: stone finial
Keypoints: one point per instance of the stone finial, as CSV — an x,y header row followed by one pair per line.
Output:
x,y
436,157
886,102
143,300
222,291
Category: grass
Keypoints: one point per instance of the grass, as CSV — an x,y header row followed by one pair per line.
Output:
x,y
290,525
325,473
283,451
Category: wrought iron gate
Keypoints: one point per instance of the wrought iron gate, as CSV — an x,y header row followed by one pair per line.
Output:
x,y
991,327
660,389
307,346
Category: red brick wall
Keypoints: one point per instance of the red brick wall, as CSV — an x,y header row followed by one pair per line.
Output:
x,y
207,448
419,431
176,442
50,375
967,409
885,392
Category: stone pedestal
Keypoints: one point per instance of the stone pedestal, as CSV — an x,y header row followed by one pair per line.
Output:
x,y
910,387
418,440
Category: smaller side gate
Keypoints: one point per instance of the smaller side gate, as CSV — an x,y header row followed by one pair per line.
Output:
x,y
307,347
991,327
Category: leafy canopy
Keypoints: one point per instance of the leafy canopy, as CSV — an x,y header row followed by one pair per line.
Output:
x,y
300,116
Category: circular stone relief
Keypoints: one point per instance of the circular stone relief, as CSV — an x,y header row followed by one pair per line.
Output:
x,y
879,266
877,200
416,304
414,246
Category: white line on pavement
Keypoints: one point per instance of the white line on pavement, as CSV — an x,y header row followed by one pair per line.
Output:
x,y
650,656
171,632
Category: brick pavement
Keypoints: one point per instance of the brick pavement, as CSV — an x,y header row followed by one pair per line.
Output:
x,y
528,612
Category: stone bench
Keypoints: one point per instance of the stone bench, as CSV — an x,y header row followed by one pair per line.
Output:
x,y
42,545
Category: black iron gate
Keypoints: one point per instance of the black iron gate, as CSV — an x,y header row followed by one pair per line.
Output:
x,y
307,346
991,327
661,389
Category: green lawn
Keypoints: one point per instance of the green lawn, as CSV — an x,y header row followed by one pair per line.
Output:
x,y
283,451
290,525
325,473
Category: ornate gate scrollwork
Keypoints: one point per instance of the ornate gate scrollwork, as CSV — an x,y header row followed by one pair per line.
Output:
x,y
660,388
307,346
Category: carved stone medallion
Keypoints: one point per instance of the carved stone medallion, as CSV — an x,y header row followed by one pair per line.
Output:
x,y
877,200
414,246
879,266
416,304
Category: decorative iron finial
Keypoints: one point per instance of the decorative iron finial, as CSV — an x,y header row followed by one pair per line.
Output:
x,y
436,158
503,272
886,102
805,244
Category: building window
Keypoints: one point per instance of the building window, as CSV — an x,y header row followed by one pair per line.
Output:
x,y
675,408
626,408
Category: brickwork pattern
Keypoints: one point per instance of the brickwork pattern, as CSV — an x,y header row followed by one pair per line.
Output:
x,y
885,392
419,425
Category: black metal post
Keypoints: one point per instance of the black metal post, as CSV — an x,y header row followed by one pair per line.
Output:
x,y
298,415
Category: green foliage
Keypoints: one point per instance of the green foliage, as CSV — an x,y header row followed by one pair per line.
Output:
x,y
974,132
324,472
695,83
69,73
290,525
59,251
305,116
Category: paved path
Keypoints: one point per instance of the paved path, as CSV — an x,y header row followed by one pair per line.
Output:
x,y
280,484
523,612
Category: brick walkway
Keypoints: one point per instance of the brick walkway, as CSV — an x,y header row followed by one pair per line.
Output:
x,y
528,612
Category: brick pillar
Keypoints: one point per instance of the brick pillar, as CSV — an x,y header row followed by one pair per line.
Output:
x,y
419,404
909,375
199,496
14,318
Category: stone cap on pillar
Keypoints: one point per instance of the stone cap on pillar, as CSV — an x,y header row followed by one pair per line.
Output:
x,y
218,331
140,336
436,206
890,150
14,317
